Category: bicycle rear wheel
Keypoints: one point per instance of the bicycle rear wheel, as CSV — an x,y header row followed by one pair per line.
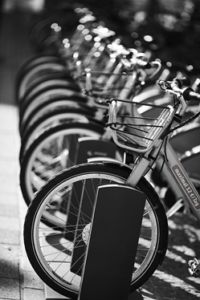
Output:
x,y
50,251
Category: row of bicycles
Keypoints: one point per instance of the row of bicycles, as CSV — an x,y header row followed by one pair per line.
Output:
x,y
94,112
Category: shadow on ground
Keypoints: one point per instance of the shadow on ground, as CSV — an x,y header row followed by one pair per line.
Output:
x,y
172,280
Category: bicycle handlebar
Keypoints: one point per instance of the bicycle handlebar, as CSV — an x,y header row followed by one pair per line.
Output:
x,y
180,86
180,82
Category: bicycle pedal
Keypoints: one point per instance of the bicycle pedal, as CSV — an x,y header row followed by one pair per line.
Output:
x,y
194,267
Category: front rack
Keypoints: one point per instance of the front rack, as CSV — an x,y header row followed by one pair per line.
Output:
x,y
137,126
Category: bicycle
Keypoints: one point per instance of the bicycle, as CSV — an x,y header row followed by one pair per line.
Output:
x,y
150,142
51,151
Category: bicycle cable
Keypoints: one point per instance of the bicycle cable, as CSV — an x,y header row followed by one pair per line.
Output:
x,y
183,123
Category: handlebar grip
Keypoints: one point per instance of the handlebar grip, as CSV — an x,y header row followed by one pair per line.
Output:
x,y
182,82
189,94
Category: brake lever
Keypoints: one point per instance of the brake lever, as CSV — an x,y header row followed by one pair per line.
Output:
x,y
164,85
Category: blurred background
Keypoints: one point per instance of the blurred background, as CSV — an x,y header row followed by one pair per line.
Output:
x,y
171,29
165,29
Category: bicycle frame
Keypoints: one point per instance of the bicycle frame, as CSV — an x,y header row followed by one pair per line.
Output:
x,y
174,173
179,180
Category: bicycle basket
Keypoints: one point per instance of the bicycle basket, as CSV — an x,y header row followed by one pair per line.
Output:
x,y
133,128
105,85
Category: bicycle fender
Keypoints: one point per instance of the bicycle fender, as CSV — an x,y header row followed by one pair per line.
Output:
x,y
107,160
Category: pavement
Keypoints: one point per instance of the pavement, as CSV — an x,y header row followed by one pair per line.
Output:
x,y
17,278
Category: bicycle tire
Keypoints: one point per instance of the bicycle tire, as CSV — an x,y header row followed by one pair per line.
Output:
x,y
47,80
39,70
35,30
105,172
52,118
48,154
43,97
52,103
33,61
36,91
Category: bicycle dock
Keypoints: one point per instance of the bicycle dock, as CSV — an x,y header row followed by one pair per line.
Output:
x,y
111,246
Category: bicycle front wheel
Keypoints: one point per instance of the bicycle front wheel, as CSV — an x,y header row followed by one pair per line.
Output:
x,y
52,151
50,249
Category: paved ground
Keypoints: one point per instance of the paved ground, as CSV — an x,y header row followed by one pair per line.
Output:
x,y
171,280
17,278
